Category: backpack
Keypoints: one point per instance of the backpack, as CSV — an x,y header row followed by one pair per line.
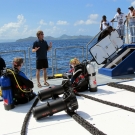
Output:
x,y
81,78
21,87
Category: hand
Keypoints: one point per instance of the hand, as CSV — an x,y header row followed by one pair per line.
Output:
x,y
50,45
36,48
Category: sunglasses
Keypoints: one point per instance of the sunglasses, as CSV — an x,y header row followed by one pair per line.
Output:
x,y
41,34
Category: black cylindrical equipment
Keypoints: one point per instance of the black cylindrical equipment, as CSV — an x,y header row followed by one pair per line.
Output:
x,y
49,109
68,103
50,92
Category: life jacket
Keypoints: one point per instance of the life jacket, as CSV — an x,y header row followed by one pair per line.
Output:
x,y
21,87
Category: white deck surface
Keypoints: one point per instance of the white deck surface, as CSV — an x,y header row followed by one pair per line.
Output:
x,y
110,120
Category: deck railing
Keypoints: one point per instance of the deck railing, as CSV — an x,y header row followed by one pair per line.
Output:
x,y
55,59
23,53
67,57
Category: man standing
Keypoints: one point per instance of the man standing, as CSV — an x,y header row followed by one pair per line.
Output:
x,y
41,47
121,19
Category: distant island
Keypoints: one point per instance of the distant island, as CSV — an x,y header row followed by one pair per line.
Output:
x,y
63,37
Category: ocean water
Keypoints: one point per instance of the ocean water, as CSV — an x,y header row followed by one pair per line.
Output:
x,y
58,58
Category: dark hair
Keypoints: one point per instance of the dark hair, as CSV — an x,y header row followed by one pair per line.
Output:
x,y
103,16
118,9
131,7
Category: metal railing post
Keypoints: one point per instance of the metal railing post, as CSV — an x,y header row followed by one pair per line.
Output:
x,y
30,69
25,62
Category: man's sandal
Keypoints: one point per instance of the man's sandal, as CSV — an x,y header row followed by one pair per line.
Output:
x,y
39,85
46,83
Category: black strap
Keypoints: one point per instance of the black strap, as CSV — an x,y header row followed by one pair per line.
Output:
x,y
50,109
6,88
93,74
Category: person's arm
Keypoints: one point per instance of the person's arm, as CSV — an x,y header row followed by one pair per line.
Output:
x,y
50,46
28,83
133,14
101,27
107,23
115,17
35,48
126,18
113,20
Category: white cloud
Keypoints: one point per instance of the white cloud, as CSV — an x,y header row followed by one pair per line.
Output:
x,y
62,22
89,5
133,3
11,29
81,30
41,22
91,20
93,16
13,25
79,22
51,23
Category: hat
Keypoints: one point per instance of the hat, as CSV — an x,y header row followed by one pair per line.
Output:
x,y
131,7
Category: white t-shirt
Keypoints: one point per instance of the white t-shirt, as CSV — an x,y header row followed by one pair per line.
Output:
x,y
132,20
103,24
120,19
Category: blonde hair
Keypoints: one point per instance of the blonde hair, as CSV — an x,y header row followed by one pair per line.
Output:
x,y
39,32
17,61
74,61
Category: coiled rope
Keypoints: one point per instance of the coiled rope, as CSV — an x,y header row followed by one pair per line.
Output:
x,y
107,102
122,86
27,117
93,130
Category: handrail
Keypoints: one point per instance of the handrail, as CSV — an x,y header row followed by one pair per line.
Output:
x,y
54,58
25,63
90,43
30,59
55,51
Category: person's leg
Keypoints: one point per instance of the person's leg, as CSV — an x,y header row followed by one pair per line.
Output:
x,y
118,30
38,67
45,65
38,75
44,74
131,31
133,26
122,32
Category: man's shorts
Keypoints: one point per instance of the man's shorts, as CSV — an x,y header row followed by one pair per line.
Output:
x,y
42,63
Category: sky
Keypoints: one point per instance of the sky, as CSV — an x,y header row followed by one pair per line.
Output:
x,y
23,18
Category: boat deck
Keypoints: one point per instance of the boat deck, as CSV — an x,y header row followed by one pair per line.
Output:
x,y
110,120
101,80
